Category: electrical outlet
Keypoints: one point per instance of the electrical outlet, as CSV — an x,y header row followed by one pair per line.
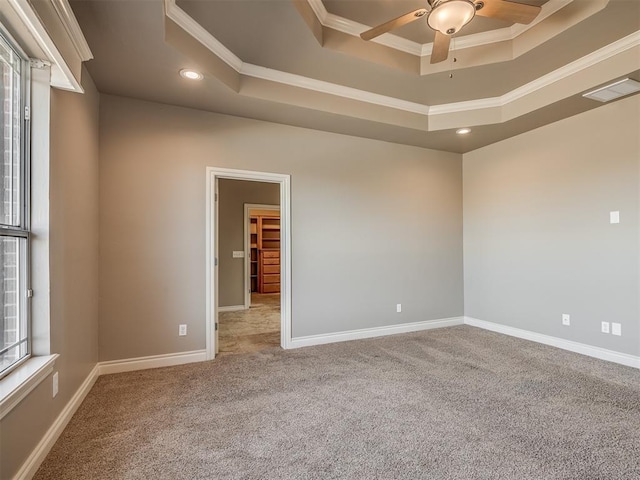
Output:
x,y
182,330
605,327
566,319
616,329
398,308
55,384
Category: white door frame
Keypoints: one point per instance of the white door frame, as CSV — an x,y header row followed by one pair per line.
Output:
x,y
247,248
213,174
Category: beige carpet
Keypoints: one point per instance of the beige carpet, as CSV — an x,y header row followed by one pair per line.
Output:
x,y
251,330
450,404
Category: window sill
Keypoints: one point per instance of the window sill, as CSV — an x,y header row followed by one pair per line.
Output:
x,y
19,383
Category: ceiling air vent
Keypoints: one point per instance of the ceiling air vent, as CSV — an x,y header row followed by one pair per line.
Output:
x,y
615,90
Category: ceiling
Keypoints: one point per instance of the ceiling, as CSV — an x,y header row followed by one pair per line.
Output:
x,y
301,62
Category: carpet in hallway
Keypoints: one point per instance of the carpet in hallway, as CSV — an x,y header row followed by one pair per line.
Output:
x,y
454,403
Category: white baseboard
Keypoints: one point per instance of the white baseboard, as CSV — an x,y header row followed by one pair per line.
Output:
x,y
589,350
232,308
154,361
31,465
373,332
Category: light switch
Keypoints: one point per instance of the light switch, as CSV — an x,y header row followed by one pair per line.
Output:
x,y
616,329
614,217
239,254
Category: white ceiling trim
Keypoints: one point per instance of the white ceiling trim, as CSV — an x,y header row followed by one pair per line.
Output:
x,y
184,20
194,28
307,83
504,34
197,31
589,60
61,75
350,27
70,23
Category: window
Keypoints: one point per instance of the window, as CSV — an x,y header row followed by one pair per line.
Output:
x,y
14,213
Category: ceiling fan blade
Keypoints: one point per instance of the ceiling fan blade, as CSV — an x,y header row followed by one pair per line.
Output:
x,y
440,47
395,23
509,11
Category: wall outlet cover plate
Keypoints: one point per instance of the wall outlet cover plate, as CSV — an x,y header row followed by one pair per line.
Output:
x,y
614,217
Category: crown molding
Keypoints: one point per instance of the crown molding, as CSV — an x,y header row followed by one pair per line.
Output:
x,y
589,60
548,9
61,75
475,40
307,83
197,31
350,27
388,39
467,106
70,23
508,33
181,18
176,14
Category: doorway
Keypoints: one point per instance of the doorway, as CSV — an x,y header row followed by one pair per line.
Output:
x,y
263,307
249,298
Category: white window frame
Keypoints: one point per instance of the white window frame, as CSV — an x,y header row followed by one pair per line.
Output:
x,y
22,231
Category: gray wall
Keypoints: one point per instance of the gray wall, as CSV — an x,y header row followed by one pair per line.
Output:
x,y
73,271
232,195
537,237
373,224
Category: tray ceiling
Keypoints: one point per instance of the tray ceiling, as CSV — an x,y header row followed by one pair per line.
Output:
x,y
284,61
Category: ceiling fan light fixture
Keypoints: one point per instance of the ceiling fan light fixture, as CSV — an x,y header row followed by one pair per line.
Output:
x,y
449,16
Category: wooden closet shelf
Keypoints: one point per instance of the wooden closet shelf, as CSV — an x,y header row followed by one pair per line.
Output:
x,y
266,253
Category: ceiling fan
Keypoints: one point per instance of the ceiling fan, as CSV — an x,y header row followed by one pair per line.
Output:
x,y
447,17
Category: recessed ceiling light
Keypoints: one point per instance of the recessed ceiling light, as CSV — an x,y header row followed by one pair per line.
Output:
x,y
463,131
190,74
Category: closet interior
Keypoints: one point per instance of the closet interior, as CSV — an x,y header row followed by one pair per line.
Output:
x,y
264,228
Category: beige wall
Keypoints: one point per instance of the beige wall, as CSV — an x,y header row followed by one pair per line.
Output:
x,y
232,195
537,237
73,271
373,224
